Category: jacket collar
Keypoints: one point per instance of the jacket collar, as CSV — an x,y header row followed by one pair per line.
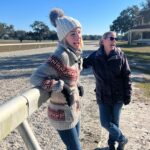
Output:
x,y
114,54
101,52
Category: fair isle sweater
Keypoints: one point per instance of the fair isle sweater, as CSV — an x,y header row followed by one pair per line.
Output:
x,y
63,66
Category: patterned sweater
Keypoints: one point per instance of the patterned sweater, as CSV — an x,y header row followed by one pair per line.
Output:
x,y
63,67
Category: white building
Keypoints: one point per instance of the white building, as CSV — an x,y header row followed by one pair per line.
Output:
x,y
140,33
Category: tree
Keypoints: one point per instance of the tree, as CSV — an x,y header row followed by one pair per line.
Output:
x,y
40,29
145,12
2,29
146,5
126,20
20,34
6,30
53,36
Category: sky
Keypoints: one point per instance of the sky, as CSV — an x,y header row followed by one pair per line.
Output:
x,y
96,16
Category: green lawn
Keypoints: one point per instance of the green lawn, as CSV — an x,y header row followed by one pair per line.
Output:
x,y
139,59
23,46
145,87
17,41
138,56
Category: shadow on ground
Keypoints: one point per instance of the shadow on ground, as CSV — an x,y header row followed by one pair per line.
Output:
x,y
22,66
104,148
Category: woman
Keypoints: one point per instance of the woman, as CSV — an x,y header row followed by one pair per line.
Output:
x,y
113,86
60,76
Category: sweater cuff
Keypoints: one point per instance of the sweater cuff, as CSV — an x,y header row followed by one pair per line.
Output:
x,y
58,86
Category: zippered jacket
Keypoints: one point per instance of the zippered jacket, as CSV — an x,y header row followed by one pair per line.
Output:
x,y
112,74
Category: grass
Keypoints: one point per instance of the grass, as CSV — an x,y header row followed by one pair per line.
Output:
x,y
145,87
138,56
139,59
17,41
24,45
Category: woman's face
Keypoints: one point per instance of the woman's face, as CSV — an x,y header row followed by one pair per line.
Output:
x,y
110,42
74,38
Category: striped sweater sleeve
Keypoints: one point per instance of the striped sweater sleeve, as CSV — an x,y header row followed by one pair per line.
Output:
x,y
46,77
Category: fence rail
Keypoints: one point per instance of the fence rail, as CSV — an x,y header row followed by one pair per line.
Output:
x,y
25,46
38,43
15,112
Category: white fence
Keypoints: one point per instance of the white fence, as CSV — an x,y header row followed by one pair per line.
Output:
x,y
23,46
13,114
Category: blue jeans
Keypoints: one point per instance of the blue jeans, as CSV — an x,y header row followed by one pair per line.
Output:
x,y
109,118
70,137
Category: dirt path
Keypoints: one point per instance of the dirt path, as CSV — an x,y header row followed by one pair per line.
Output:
x,y
135,124
14,78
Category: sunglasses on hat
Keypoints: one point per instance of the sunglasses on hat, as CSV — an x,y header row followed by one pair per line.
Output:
x,y
112,38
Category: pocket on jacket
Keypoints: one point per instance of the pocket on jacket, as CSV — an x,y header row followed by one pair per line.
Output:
x,y
116,67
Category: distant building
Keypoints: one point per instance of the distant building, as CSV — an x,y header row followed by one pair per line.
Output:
x,y
140,33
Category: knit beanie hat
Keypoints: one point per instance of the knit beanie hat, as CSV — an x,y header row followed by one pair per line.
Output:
x,y
63,24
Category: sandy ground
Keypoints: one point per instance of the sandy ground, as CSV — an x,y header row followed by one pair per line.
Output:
x,y
15,70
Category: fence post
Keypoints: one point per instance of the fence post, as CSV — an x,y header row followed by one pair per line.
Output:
x,y
28,136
